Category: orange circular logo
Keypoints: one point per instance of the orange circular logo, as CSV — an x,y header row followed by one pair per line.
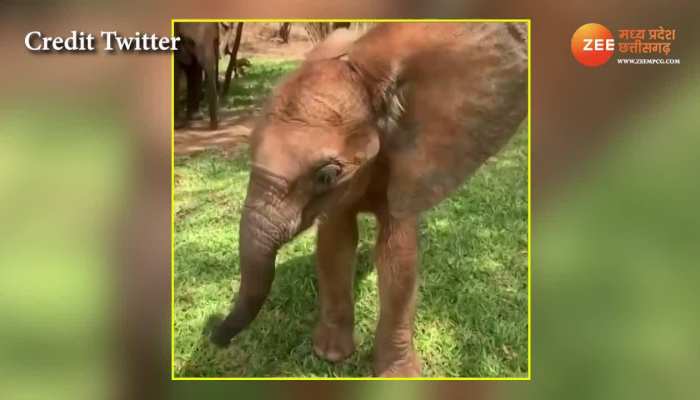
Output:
x,y
592,45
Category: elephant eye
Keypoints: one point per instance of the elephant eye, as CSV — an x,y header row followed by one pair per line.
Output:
x,y
327,175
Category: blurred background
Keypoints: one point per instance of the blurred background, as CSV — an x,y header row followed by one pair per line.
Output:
x,y
85,194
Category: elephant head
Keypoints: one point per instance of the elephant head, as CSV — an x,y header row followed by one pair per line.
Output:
x,y
412,109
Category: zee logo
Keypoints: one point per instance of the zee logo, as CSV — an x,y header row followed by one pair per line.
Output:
x,y
592,45
600,44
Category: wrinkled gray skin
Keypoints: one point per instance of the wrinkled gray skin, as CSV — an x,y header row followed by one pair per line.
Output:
x,y
198,52
262,231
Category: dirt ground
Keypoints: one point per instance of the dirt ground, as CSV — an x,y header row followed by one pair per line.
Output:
x,y
234,129
258,42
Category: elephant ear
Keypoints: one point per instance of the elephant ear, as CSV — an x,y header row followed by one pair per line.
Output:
x,y
444,111
335,45
363,145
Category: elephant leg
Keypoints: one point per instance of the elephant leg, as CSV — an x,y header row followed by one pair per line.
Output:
x,y
194,90
208,58
397,259
216,77
213,97
335,253
177,105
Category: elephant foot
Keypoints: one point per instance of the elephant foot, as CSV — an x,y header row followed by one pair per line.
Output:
x,y
333,343
406,366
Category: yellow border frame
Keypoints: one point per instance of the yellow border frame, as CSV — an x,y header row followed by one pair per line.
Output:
x,y
529,207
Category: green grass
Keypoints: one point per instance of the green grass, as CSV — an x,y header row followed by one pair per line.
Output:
x,y
472,309
252,88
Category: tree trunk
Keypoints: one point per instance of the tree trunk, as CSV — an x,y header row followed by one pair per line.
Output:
x,y
233,57
338,25
283,33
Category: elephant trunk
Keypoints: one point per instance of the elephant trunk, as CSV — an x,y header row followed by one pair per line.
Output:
x,y
259,240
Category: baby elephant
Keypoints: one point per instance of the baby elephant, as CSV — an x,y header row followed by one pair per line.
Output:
x,y
388,123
